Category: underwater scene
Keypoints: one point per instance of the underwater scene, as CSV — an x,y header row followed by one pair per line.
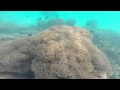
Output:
x,y
59,44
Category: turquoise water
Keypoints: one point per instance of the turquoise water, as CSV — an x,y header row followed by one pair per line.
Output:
x,y
106,19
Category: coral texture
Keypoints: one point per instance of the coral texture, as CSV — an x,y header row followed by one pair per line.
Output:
x,y
59,52
15,59
67,52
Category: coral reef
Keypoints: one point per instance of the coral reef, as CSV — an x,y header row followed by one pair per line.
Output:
x,y
65,52
59,52
91,25
42,25
107,41
5,39
12,30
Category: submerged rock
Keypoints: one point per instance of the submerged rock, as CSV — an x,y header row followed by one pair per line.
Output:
x,y
59,52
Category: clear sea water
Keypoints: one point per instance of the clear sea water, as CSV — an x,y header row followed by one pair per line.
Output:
x,y
106,19
108,23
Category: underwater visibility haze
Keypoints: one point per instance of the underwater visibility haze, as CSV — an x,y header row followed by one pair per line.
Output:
x,y
60,44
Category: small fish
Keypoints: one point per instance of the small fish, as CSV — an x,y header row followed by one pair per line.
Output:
x,y
29,34
46,17
56,16
91,31
114,37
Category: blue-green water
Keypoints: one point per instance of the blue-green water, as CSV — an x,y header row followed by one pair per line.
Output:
x,y
103,25
106,19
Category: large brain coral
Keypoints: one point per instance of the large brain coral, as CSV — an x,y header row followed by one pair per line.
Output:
x,y
66,52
